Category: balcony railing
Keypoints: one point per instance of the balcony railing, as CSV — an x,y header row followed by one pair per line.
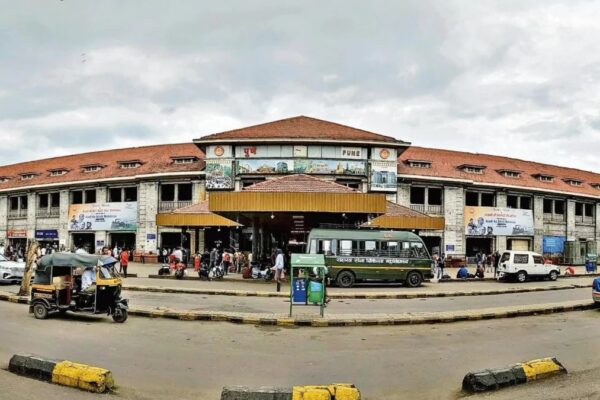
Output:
x,y
554,218
428,208
172,205
15,214
47,212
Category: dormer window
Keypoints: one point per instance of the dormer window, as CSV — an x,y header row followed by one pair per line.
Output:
x,y
544,178
574,182
184,159
419,163
130,164
595,185
510,173
4,179
58,172
472,169
27,176
92,167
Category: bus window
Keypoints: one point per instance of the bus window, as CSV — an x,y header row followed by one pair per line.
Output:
x,y
405,250
324,246
313,247
418,250
390,248
370,247
345,247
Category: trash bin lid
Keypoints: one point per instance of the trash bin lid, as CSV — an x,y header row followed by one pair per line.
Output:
x,y
308,260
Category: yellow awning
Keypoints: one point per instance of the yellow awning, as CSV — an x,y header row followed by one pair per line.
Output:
x,y
196,215
399,217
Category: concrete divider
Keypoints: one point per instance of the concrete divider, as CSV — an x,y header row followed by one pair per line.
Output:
x,y
340,391
65,373
494,379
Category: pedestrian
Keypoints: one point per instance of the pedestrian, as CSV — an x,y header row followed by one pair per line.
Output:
x,y
197,262
434,261
480,271
124,262
226,261
489,263
279,268
441,264
496,262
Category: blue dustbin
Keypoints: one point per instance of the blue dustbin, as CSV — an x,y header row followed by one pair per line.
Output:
x,y
299,290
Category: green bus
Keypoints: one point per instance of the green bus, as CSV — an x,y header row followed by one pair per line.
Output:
x,y
357,255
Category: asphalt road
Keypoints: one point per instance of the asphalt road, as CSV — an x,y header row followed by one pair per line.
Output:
x,y
159,359
351,306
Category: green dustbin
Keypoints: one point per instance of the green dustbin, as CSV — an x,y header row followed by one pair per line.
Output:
x,y
315,292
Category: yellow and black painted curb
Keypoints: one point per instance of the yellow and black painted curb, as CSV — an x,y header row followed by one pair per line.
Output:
x,y
494,379
354,320
352,295
337,391
65,373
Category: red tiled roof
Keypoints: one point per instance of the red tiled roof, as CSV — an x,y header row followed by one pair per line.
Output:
x,y
301,127
199,208
155,159
299,183
445,163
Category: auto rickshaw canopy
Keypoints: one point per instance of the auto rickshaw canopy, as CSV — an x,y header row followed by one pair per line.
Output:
x,y
73,260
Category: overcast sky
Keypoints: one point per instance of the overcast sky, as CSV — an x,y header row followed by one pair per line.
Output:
x,y
516,78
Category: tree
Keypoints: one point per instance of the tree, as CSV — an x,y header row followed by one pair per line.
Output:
x,y
29,261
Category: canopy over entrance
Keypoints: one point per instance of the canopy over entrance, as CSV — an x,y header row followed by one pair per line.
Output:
x,y
297,193
399,217
196,215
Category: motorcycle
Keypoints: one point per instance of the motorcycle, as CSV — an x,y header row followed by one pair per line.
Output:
x,y
216,272
180,270
263,272
203,272
164,270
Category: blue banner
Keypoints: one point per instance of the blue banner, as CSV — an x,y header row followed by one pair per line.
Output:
x,y
46,234
554,244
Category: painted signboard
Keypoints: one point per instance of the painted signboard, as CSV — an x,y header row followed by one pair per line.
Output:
x,y
383,154
103,217
553,244
383,176
265,166
352,152
219,151
493,221
329,167
219,174
46,234
16,233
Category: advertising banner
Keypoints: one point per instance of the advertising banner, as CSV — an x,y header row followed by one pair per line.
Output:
x,y
553,244
103,217
330,167
265,166
16,233
493,221
219,174
45,234
383,176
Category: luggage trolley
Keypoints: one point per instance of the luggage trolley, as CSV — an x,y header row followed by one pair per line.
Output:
x,y
308,288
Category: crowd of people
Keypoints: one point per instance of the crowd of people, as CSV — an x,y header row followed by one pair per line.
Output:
x,y
485,264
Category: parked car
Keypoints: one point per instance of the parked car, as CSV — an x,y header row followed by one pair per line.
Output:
x,y
11,272
596,291
523,265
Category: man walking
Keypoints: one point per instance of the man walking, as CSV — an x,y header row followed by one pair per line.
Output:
x,y
124,262
441,265
496,262
279,266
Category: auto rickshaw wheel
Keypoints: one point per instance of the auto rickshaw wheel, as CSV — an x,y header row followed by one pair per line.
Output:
x,y
120,316
40,311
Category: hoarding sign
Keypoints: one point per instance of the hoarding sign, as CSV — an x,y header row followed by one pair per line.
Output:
x,y
44,234
219,174
265,166
330,167
16,233
493,221
383,176
103,217
553,244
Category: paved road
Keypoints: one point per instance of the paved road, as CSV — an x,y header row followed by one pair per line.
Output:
x,y
158,359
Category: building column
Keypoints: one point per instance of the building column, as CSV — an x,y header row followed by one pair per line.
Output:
x,y
255,238
63,221
201,241
501,202
147,209
597,227
3,219
570,233
454,208
403,194
538,223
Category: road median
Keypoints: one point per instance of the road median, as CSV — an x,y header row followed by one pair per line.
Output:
x,y
338,391
64,373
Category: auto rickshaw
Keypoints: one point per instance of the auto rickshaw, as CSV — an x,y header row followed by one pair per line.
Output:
x,y
57,286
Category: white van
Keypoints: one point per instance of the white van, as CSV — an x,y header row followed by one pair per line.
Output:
x,y
520,265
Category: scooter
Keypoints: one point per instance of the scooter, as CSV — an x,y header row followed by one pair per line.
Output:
x,y
203,271
263,272
164,270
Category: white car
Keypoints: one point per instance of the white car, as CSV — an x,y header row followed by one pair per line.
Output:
x,y
521,265
11,271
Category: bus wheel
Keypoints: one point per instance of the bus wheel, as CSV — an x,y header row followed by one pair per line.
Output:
x,y
414,279
345,279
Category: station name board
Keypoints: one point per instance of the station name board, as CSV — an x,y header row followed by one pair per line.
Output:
x,y
371,260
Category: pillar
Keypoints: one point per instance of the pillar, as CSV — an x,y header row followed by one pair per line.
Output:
x,y
255,238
